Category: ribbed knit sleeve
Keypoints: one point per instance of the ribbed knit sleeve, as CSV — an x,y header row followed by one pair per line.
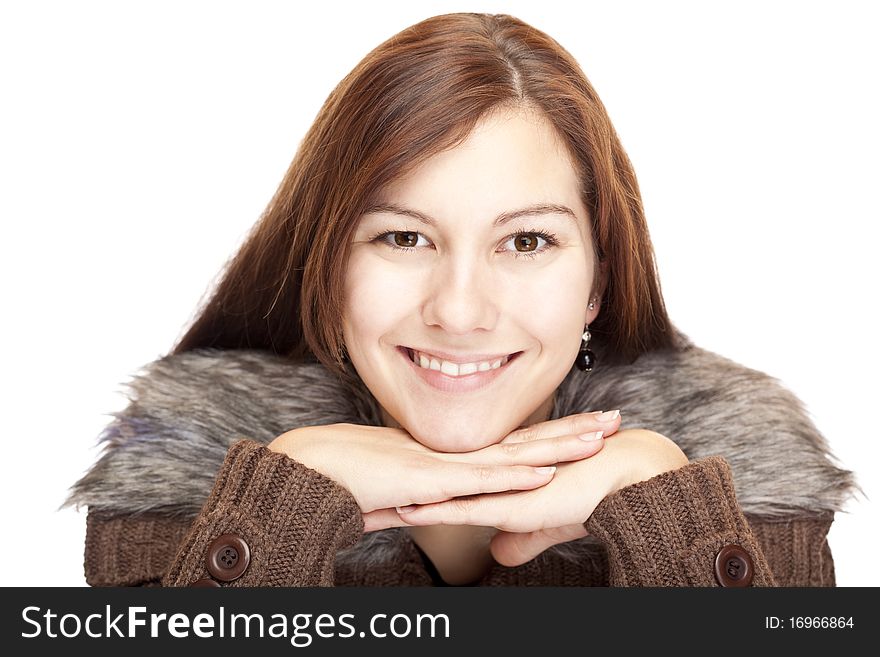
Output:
x,y
131,549
797,549
669,530
292,519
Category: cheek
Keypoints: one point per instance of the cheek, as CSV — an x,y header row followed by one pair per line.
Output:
x,y
555,300
555,321
375,295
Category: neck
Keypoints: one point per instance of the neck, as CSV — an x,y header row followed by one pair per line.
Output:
x,y
460,553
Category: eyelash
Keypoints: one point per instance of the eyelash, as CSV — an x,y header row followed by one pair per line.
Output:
x,y
550,239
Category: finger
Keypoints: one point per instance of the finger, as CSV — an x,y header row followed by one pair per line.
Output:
x,y
462,479
431,480
382,519
483,510
548,451
514,549
570,424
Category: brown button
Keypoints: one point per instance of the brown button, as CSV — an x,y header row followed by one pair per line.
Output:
x,y
733,566
205,582
228,557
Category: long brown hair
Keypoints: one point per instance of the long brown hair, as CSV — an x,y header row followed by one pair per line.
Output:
x,y
419,93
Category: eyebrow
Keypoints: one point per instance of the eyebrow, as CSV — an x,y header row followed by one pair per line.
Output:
x,y
500,220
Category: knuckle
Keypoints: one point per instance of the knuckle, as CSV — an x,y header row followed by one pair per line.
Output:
x,y
463,506
484,472
562,447
511,449
438,493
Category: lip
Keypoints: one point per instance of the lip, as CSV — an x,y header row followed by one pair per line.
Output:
x,y
457,384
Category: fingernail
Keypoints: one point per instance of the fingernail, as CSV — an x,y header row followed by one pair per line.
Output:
x,y
405,509
608,416
546,469
591,436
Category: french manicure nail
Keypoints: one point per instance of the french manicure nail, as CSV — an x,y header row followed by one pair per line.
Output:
x,y
608,416
546,469
591,436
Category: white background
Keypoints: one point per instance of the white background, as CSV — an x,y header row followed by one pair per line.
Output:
x,y
140,141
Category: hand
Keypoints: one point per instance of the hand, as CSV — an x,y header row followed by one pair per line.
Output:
x,y
516,448
410,473
532,521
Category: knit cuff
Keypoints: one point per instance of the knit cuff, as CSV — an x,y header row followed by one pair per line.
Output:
x,y
130,550
797,548
293,520
668,530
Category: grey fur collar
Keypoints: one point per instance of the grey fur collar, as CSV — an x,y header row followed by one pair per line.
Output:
x,y
162,452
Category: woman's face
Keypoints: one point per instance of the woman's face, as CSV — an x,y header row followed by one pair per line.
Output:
x,y
471,289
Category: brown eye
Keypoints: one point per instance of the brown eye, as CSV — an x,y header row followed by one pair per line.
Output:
x,y
407,240
528,241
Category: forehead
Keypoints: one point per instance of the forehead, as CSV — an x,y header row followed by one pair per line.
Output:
x,y
512,158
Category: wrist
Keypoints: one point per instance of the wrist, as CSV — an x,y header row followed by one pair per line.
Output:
x,y
650,454
293,444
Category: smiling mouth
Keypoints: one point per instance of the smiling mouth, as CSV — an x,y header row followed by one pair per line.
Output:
x,y
483,367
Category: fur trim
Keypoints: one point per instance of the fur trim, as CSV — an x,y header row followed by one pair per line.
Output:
x,y
163,451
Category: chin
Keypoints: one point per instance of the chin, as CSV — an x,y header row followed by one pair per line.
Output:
x,y
451,439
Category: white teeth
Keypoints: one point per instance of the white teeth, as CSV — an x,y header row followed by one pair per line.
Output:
x,y
449,368
454,369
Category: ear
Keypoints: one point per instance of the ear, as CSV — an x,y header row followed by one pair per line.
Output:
x,y
597,293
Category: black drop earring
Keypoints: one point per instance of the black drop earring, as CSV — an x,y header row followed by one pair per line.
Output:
x,y
586,359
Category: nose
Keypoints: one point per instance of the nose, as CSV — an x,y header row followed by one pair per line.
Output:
x,y
463,296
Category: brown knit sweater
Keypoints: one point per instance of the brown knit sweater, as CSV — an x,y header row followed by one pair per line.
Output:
x,y
666,531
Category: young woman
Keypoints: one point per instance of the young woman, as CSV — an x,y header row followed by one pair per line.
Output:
x,y
400,378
